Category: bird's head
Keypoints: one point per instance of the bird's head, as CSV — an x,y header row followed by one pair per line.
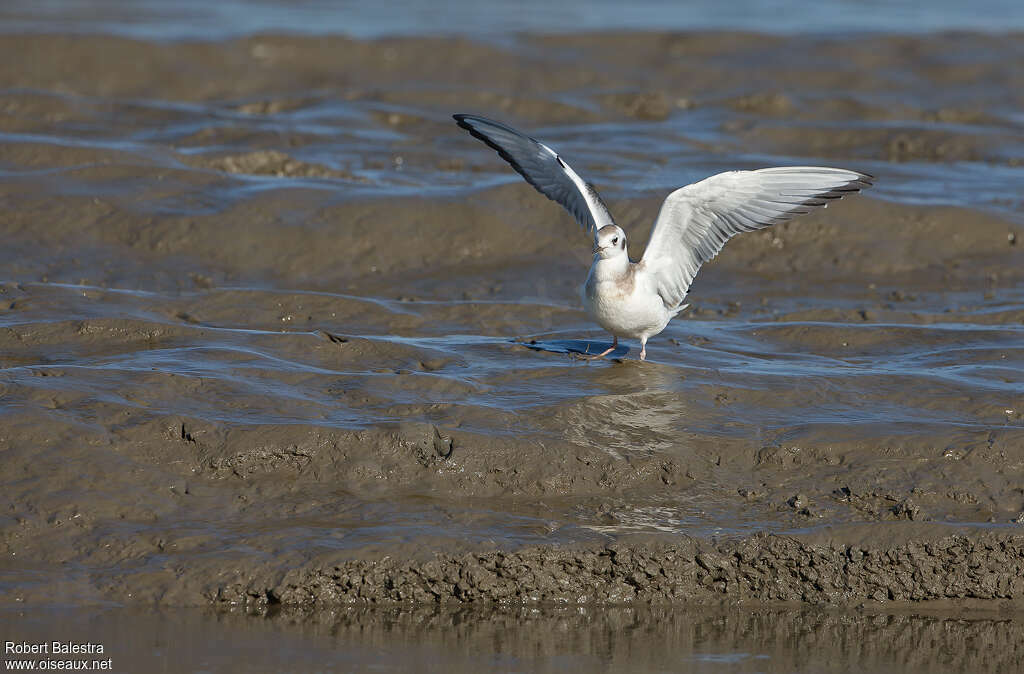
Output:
x,y
610,242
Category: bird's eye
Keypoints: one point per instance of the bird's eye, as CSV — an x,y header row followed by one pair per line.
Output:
x,y
615,240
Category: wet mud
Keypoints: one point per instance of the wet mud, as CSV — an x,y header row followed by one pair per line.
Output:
x,y
275,333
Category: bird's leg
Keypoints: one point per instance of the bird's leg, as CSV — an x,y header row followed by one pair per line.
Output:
x,y
643,348
615,345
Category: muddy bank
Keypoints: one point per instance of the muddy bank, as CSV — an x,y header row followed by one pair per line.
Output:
x,y
926,565
428,514
274,332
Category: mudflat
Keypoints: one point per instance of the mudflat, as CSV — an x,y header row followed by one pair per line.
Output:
x,y
274,334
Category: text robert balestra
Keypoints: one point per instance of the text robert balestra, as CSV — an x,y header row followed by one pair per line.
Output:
x,y
51,648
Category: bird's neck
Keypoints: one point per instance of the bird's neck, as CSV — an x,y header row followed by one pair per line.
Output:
x,y
610,268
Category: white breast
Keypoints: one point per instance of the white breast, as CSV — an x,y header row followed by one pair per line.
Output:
x,y
623,302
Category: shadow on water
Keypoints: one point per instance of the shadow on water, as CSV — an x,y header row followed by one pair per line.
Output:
x,y
575,347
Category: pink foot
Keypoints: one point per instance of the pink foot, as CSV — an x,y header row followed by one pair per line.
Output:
x,y
615,345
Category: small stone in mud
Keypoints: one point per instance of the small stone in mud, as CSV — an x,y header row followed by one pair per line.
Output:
x,y
954,453
962,497
428,444
337,339
443,446
607,514
669,473
907,510
798,501
432,364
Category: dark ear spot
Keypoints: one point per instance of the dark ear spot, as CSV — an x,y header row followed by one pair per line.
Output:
x,y
623,246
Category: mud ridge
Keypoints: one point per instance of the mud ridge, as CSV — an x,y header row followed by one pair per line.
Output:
x,y
768,568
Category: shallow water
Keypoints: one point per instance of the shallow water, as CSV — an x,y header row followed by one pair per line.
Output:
x,y
630,639
152,19
266,314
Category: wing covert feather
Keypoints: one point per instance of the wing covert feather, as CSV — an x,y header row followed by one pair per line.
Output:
x,y
696,221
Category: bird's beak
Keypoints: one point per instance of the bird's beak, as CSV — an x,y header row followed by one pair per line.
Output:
x,y
598,249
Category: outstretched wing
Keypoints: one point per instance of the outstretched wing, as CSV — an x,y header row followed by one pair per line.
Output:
x,y
542,168
695,221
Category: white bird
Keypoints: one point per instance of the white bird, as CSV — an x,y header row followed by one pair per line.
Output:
x,y
638,299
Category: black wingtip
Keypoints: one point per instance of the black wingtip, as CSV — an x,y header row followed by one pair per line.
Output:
x,y
464,120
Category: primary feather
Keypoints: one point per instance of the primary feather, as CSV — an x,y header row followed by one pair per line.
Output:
x,y
543,168
695,221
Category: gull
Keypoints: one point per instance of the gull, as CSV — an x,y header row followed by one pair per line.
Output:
x,y
638,299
